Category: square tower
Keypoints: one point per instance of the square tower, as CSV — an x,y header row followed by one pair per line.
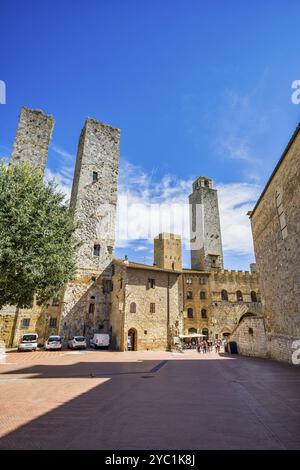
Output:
x,y
32,138
206,242
94,194
87,298
167,251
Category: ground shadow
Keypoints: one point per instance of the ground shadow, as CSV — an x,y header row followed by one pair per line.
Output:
x,y
210,403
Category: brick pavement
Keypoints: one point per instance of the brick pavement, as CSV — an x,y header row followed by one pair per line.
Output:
x,y
147,400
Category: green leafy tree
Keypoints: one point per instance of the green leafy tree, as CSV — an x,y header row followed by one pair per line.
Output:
x,y
37,243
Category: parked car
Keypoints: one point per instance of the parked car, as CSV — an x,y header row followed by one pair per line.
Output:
x,y
53,343
77,342
100,340
28,342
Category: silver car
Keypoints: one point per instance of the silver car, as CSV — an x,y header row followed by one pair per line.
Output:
x,y
53,343
77,342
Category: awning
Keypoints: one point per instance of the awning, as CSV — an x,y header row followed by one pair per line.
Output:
x,y
192,335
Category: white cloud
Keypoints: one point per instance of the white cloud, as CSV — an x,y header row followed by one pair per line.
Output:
x,y
235,200
148,206
154,205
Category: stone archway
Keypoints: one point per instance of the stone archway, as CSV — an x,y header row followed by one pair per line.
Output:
x,y
132,340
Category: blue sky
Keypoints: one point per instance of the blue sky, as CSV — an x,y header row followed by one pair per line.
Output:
x,y
197,87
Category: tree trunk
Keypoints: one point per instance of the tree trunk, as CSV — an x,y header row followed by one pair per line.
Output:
x,y
14,328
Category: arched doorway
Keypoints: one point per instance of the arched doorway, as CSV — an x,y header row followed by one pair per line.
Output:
x,y
205,333
225,335
192,331
132,340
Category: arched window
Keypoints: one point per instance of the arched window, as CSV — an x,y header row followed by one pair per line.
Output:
x,y
190,313
205,333
203,313
239,296
202,295
253,296
189,295
133,307
224,294
91,308
192,331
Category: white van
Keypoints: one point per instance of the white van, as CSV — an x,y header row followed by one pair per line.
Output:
x,y
28,342
100,340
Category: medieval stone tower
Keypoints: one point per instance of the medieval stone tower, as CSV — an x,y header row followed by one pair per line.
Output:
x,y
32,138
206,242
86,300
167,251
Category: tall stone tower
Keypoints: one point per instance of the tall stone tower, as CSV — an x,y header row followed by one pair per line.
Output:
x,y
86,302
206,242
167,251
32,138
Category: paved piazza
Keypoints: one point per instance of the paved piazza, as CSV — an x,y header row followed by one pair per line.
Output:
x,y
147,400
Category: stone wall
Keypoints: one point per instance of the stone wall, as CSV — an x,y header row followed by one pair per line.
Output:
x,y
32,138
250,337
276,233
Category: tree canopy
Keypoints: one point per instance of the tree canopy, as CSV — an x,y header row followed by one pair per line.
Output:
x,y
37,243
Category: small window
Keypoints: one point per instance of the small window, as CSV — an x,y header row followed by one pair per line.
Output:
x,y
202,295
224,295
189,281
133,307
239,296
107,286
189,295
53,322
190,313
95,176
93,279
203,313
55,302
152,307
281,215
91,308
250,331
25,322
97,250
202,281
151,283
253,296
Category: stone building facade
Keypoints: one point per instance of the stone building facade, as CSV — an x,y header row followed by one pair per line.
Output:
x,y
275,222
215,301
144,305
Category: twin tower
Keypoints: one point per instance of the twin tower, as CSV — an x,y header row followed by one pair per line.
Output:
x,y
95,190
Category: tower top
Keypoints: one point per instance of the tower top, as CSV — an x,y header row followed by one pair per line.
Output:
x,y
202,182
